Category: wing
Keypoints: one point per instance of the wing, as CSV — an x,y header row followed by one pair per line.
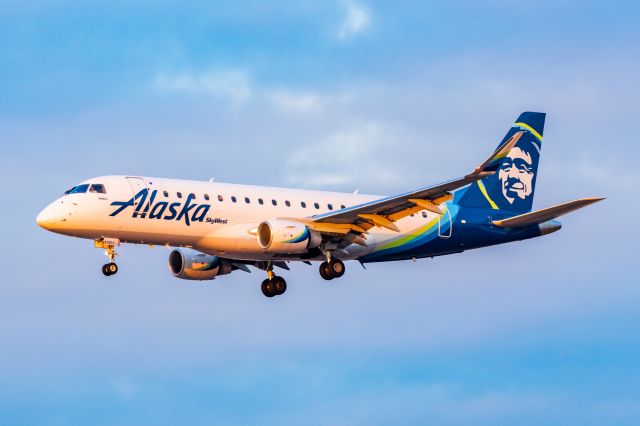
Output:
x,y
384,212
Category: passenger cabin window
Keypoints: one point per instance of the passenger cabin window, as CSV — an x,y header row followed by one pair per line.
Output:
x,y
316,205
330,206
206,197
165,193
192,195
274,202
342,206
303,204
220,198
233,198
247,200
287,203
260,201
424,214
98,188
80,189
179,194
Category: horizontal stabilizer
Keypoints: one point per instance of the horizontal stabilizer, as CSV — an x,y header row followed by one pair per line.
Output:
x,y
544,215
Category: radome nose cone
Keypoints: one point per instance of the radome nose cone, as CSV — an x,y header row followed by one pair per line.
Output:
x,y
44,219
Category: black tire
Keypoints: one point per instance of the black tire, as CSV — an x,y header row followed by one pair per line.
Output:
x,y
267,288
105,271
112,268
325,271
336,267
279,285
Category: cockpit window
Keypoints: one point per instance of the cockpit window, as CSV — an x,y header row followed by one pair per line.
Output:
x,y
80,189
98,188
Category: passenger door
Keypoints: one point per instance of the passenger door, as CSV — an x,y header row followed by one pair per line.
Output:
x,y
137,184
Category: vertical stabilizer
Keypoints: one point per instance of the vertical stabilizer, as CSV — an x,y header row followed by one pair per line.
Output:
x,y
512,187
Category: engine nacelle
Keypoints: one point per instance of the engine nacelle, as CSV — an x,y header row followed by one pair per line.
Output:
x,y
279,236
193,265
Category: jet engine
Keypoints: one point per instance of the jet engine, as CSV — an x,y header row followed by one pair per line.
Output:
x,y
283,237
193,265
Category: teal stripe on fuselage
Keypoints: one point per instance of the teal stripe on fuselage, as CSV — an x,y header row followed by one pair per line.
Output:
x,y
424,238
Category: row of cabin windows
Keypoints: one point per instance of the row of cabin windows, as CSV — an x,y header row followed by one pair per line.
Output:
x,y
99,188
247,200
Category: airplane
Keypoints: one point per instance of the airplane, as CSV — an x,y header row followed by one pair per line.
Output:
x,y
218,228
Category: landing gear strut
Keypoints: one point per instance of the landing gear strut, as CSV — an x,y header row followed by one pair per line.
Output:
x,y
274,285
110,245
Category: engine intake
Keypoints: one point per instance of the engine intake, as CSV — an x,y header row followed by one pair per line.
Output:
x,y
192,265
279,236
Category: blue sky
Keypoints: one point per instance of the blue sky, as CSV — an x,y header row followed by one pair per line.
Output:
x,y
330,95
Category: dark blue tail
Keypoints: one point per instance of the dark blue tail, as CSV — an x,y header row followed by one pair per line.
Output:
x,y
513,185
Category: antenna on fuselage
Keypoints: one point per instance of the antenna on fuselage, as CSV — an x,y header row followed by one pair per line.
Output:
x,y
212,179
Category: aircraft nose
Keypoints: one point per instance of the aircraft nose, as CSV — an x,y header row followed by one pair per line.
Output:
x,y
44,219
48,217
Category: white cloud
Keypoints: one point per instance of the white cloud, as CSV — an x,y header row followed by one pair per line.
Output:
x,y
231,84
297,102
343,157
235,86
357,20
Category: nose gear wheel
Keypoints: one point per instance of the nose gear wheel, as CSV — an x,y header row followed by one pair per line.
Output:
x,y
109,245
109,269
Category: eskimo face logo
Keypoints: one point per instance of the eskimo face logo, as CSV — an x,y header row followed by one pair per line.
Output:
x,y
189,212
516,175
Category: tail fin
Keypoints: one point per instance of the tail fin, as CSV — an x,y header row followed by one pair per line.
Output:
x,y
512,187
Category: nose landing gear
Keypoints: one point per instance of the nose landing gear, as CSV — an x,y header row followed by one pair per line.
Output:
x,y
110,245
109,269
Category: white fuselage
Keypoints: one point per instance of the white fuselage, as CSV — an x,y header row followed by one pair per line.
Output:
x,y
227,227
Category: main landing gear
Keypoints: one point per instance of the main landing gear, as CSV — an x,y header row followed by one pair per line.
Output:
x,y
274,285
110,245
332,268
